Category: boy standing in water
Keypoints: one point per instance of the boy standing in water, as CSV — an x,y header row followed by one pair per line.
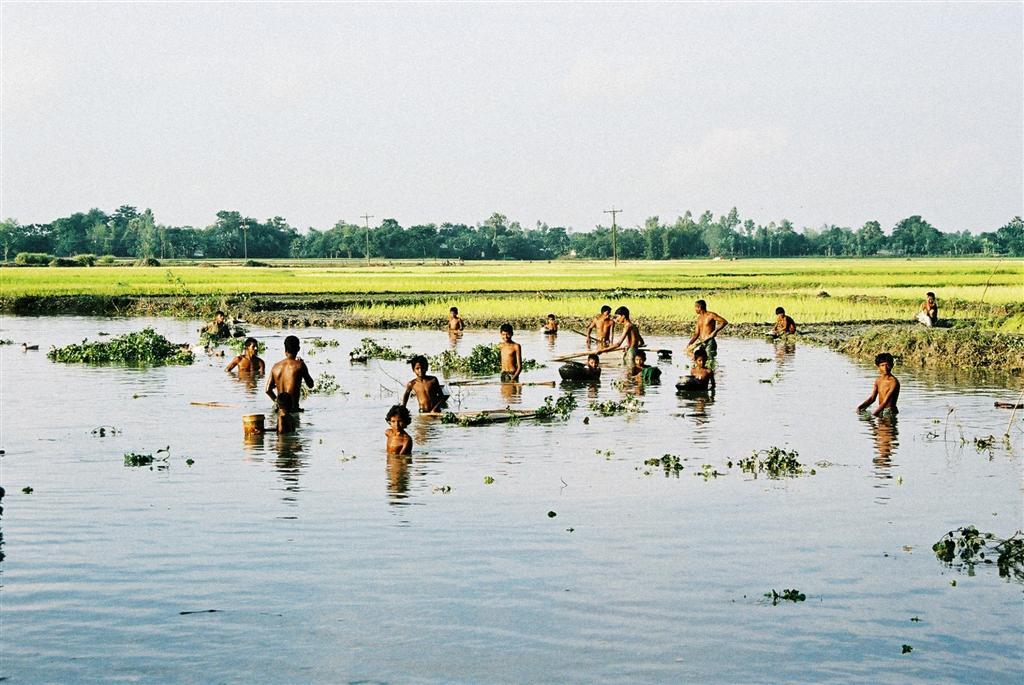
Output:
x,y
399,442
455,322
511,355
247,362
602,324
886,387
551,327
288,375
427,388
709,324
631,340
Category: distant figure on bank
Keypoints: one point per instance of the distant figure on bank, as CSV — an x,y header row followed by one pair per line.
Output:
x,y
708,325
398,441
427,388
287,376
219,327
511,355
248,362
886,388
602,325
455,322
929,312
641,372
630,342
551,327
784,325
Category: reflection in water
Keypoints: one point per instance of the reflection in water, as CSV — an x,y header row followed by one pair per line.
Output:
x,y
290,463
247,379
784,353
696,404
511,393
885,433
551,339
398,478
453,339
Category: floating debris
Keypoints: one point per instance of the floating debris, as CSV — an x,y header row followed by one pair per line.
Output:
x,y
481,360
966,547
775,462
631,404
669,463
785,596
488,480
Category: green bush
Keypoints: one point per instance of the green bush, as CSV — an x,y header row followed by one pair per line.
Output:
x,y
63,261
85,259
107,259
33,258
142,347
148,261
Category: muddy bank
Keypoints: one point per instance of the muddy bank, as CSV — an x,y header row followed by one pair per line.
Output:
x,y
957,347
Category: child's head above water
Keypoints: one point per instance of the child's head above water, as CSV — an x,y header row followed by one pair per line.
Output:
x,y
779,311
885,358
593,361
419,360
700,357
640,358
454,311
251,342
401,413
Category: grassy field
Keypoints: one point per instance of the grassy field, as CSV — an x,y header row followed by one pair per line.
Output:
x,y
742,291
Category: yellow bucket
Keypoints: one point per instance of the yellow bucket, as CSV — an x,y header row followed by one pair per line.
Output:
x,y
252,424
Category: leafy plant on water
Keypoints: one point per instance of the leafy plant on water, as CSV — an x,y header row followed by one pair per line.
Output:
x,y
787,595
326,384
607,454
669,463
371,349
324,342
775,462
6,342
104,431
966,547
557,409
141,347
237,345
481,360
707,472
134,459
631,404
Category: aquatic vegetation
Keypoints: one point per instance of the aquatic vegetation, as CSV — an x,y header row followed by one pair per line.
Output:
x,y
552,514
324,342
985,443
6,342
141,347
906,649
488,480
442,489
560,408
482,360
607,454
966,547
787,595
707,472
669,463
237,345
326,384
371,349
28,489
631,404
190,461
775,462
103,431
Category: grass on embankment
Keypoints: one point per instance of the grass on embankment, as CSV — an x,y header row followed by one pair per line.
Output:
x,y
960,346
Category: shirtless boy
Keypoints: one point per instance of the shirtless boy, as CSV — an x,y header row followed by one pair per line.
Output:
x,y
551,327
602,325
700,371
784,325
630,341
886,388
929,313
641,372
511,355
399,442
709,324
247,362
219,326
455,322
287,376
427,388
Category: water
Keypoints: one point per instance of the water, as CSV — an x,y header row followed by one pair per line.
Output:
x,y
326,562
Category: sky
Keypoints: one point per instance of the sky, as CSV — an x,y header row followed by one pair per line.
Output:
x,y
835,113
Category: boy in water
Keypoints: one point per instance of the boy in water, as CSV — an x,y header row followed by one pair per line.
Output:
x,y
929,314
551,327
511,355
641,372
602,325
631,340
427,388
594,364
886,387
287,375
700,370
784,325
455,322
219,327
285,417
399,442
709,324
248,362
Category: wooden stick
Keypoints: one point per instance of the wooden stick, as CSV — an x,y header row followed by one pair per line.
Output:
x,y
217,405
1014,413
548,384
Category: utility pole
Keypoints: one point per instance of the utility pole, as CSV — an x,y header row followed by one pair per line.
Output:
x,y
615,246
245,241
366,218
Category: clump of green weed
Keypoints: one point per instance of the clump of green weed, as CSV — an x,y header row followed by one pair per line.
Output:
x,y
775,462
787,595
142,347
481,360
966,547
631,404
560,408
324,342
669,463
326,384
371,349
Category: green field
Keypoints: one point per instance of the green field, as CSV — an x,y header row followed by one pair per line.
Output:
x,y
742,291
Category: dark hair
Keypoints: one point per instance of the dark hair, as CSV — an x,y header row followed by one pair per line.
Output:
x,y
218,312
623,311
702,304
291,344
251,341
700,352
453,310
594,356
399,411
551,316
606,308
932,295
506,328
780,310
885,357
640,354
419,359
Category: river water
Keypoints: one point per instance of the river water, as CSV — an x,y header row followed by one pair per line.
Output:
x,y
313,558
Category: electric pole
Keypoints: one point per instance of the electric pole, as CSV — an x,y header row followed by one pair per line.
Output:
x,y
615,246
366,218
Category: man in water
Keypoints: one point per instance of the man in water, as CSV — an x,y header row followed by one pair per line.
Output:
x,y
709,325
886,388
248,362
929,313
287,376
602,324
219,327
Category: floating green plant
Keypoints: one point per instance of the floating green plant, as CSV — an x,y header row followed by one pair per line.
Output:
x,y
481,360
669,463
631,404
141,347
775,462
787,595
966,547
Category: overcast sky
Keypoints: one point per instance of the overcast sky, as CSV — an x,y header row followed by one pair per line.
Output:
x,y
837,113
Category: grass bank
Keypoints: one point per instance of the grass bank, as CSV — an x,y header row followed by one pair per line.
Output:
x,y
955,347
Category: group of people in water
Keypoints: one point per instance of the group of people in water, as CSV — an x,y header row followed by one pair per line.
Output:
x,y
287,376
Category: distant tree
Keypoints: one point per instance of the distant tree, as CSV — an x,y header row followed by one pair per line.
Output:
x,y
870,238
11,235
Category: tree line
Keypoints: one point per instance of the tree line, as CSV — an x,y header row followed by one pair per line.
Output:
x,y
127,232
